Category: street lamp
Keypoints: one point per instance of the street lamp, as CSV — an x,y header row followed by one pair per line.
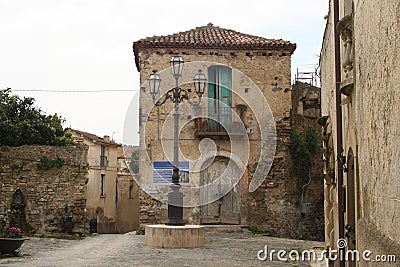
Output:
x,y
176,95
154,83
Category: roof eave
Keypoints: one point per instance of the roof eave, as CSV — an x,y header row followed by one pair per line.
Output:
x,y
291,47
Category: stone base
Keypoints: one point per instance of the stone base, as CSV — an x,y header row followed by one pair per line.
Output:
x,y
168,236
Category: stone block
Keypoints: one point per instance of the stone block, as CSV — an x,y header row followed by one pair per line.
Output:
x,y
167,236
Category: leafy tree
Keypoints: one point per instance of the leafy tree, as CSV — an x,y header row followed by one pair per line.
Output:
x,y
134,165
21,123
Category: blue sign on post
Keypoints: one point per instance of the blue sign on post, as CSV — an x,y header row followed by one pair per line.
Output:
x,y
162,172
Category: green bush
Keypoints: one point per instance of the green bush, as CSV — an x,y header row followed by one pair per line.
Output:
x,y
21,123
47,164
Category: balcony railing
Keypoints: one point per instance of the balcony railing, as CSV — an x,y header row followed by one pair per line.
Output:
x,y
219,122
103,161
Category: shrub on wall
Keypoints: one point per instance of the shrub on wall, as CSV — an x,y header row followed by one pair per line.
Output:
x,y
303,147
47,164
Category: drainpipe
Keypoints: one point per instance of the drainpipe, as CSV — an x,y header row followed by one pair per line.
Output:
x,y
339,131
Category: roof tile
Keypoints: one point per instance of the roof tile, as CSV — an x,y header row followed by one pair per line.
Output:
x,y
212,37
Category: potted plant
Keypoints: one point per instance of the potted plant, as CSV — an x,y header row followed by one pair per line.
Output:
x,y
10,236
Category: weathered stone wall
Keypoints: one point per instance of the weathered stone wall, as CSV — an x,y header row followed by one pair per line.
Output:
x,y
312,224
306,99
50,195
151,210
276,206
127,203
370,126
377,79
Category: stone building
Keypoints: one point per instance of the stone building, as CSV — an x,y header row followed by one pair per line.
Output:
x,y
244,64
111,197
359,79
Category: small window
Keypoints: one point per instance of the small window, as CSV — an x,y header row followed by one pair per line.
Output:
x,y
102,181
103,159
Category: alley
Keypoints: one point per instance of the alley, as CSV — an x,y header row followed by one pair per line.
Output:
x,y
222,249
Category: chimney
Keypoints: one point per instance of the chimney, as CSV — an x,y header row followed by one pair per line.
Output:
x,y
106,139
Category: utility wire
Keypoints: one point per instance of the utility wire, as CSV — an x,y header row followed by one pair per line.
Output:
x,y
73,91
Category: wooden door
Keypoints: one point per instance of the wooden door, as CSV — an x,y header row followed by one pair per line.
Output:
x,y
224,210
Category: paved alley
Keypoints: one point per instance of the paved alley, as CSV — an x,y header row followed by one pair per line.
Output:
x,y
222,249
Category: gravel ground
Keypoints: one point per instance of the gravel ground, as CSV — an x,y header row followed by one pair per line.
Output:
x,y
221,249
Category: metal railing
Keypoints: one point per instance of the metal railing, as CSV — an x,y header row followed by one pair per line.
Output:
x,y
218,120
103,161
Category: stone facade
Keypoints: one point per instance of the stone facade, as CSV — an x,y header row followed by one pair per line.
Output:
x,y
53,196
369,101
273,209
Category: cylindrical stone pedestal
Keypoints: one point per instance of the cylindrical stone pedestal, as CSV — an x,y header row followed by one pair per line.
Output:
x,y
168,236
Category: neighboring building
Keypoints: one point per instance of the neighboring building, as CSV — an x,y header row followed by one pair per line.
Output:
x,y
360,74
274,207
110,193
306,100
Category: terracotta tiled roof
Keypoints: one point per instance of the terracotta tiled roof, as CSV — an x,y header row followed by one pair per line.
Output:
x,y
213,37
92,137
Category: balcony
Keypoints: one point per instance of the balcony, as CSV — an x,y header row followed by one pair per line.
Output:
x,y
219,123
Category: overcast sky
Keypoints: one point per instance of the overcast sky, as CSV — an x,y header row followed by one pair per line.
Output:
x,y
87,45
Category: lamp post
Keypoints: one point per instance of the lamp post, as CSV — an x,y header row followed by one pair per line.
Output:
x,y
176,95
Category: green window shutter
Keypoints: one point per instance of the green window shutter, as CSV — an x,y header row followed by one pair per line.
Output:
x,y
219,89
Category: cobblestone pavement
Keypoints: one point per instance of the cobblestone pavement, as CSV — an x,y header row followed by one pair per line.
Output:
x,y
221,249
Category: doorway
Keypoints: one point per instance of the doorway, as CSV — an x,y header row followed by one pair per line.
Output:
x,y
226,209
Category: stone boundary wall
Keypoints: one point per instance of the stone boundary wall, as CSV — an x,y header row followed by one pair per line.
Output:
x,y
53,197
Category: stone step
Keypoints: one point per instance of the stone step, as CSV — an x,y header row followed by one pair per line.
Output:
x,y
216,228
225,228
